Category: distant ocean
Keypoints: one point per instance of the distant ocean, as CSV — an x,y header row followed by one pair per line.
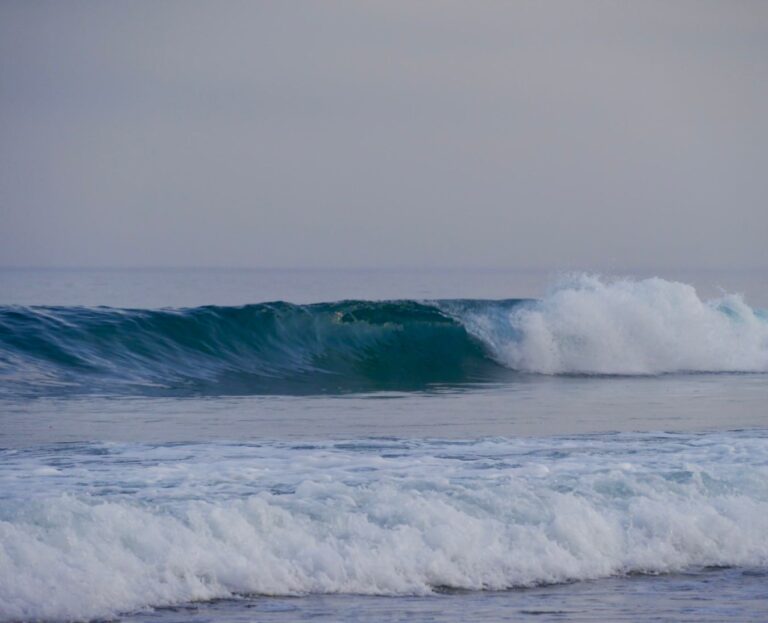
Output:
x,y
432,445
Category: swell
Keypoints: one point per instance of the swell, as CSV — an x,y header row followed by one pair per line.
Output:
x,y
584,325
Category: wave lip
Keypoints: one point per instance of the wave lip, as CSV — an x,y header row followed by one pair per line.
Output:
x,y
583,326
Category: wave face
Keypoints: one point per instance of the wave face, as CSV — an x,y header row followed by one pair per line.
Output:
x,y
583,326
132,526
264,348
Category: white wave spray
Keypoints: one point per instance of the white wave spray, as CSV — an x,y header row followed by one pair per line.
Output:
x,y
586,325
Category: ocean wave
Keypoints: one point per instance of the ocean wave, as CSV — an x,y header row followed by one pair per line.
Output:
x,y
583,326
132,527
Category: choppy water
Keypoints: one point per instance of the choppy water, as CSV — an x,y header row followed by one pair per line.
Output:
x,y
595,452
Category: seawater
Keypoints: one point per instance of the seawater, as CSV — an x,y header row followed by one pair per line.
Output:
x,y
437,446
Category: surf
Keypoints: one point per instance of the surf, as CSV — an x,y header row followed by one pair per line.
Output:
x,y
584,325
131,526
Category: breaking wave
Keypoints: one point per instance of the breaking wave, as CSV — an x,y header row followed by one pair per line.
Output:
x,y
583,326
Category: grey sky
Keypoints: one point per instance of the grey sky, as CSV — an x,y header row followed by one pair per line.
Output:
x,y
599,135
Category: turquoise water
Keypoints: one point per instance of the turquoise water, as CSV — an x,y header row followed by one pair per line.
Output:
x,y
444,445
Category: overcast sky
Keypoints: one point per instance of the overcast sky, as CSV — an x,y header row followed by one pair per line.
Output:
x,y
556,135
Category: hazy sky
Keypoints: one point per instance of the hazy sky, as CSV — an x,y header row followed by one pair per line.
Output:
x,y
565,135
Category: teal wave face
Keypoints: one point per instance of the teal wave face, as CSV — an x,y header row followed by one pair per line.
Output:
x,y
264,348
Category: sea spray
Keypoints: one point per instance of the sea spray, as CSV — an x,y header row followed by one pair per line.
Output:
x,y
589,326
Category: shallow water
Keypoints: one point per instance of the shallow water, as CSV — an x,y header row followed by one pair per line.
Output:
x,y
703,595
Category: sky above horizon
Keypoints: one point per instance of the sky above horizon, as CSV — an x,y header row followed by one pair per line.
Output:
x,y
559,135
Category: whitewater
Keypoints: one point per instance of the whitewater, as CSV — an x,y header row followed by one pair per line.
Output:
x,y
588,326
133,526
597,452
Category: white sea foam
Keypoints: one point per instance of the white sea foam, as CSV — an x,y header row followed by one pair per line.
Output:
x,y
586,325
124,527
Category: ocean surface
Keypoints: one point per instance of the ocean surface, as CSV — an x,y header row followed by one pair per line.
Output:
x,y
392,445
